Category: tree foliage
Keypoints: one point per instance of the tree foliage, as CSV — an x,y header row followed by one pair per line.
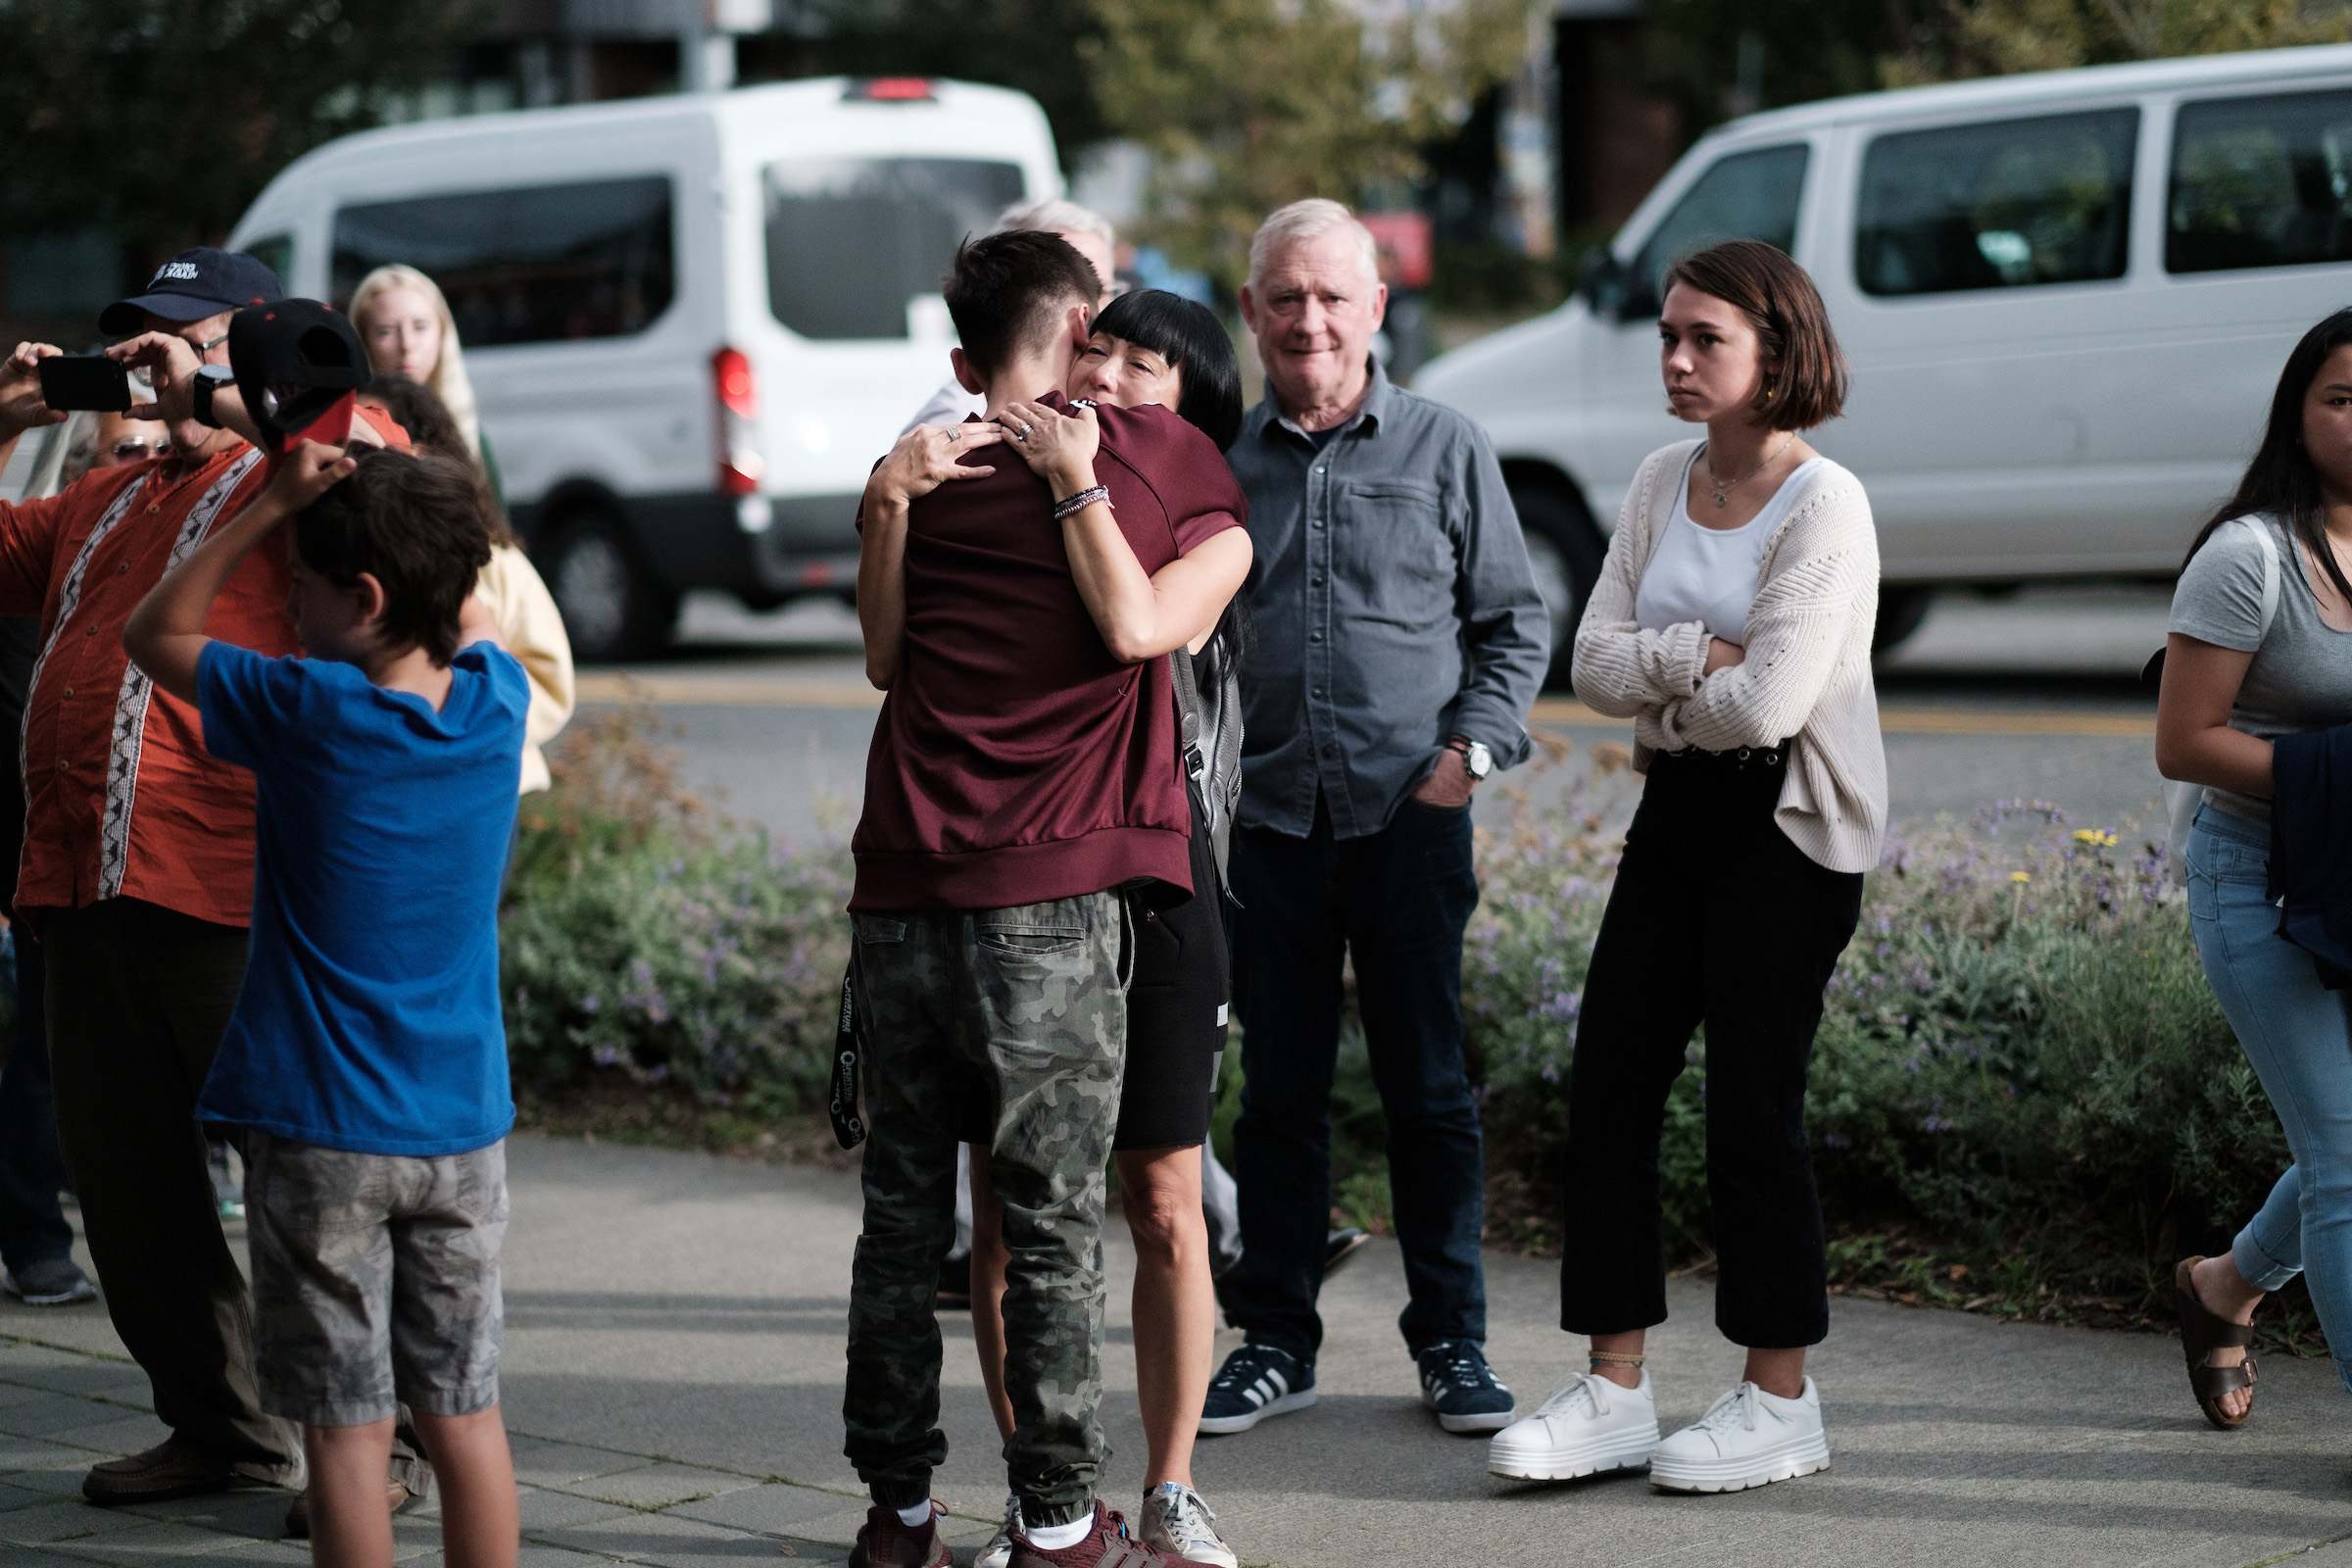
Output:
x,y
1799,50
1249,104
162,120
1032,45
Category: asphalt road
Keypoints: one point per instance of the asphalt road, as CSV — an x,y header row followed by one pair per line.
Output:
x,y
2033,697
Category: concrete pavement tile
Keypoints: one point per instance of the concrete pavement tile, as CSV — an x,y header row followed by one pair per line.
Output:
x,y
27,1558
57,1413
152,1544
81,1374
12,1394
659,1485
49,1522
832,1529
545,1510
666,1541
15,1497
536,1555
777,1509
542,1463
256,1555
256,1511
127,1431
32,1454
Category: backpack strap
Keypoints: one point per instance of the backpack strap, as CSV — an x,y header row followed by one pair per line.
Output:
x,y
1188,710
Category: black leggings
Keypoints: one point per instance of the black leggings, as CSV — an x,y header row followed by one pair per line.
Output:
x,y
1717,918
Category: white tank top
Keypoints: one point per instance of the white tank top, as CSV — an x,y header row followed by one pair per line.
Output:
x,y
1710,574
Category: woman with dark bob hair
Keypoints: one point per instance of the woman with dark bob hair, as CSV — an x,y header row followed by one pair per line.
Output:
x,y
2261,646
1732,624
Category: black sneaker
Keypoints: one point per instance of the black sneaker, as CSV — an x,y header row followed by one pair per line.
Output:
x,y
1255,1382
1457,1383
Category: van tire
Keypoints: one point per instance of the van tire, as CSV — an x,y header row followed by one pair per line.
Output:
x,y
1902,606
1566,552
612,607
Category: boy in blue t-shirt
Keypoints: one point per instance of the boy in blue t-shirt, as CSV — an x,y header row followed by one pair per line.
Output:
x,y
365,1060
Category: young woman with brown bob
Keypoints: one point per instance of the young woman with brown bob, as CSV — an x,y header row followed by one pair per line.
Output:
x,y
1732,624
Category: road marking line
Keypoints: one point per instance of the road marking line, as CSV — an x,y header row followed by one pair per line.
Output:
x,y
693,691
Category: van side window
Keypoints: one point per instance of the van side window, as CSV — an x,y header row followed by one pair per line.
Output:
x,y
2260,182
852,241
540,264
2002,205
1751,195
277,253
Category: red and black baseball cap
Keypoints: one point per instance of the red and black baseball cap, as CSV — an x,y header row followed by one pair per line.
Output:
x,y
198,283
297,364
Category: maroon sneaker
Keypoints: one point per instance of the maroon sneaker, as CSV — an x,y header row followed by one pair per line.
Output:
x,y
888,1542
1109,1547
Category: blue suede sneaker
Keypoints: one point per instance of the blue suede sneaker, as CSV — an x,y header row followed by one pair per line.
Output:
x,y
1255,1382
1457,1383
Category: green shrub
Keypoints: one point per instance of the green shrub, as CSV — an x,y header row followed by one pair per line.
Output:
x,y
2021,1068
643,938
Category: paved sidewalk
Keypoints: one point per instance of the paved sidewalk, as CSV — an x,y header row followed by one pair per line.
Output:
x,y
673,1381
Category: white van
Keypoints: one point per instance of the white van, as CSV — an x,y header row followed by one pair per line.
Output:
x,y
2066,297
693,323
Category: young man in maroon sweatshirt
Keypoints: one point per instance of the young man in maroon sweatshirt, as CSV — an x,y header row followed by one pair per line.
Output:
x,y
1023,785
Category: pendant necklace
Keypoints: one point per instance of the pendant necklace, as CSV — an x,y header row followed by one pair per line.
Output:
x,y
1722,492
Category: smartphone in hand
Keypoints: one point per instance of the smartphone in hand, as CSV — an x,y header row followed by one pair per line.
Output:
x,y
76,381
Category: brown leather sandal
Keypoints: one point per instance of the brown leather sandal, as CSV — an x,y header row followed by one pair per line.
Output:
x,y
2201,1334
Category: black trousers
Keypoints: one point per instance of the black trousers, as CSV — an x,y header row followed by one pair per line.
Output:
x,y
138,997
1715,919
32,1173
1397,902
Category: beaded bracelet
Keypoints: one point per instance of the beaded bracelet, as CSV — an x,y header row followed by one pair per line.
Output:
x,y
1073,504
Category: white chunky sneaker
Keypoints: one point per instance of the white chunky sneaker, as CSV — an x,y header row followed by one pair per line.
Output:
x,y
1177,1522
998,1553
1588,1424
1746,1439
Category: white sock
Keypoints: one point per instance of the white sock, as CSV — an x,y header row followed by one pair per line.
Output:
x,y
917,1517
1055,1538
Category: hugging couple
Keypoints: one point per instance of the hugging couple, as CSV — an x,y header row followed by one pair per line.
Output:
x,y
1038,957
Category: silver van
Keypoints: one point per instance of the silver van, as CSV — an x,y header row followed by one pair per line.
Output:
x,y
692,323
2066,297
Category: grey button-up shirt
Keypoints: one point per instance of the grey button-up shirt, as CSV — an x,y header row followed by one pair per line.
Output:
x,y
1393,607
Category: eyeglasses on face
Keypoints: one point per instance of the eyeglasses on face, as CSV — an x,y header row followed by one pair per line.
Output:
x,y
131,449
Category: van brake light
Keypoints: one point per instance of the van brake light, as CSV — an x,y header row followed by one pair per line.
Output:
x,y
891,90
736,390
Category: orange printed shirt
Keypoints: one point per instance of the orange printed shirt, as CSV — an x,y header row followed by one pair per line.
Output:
x,y
121,797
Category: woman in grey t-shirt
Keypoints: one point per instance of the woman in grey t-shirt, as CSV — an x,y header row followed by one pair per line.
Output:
x,y
2261,646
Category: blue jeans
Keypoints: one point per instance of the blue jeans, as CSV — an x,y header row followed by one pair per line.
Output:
x,y
1398,901
2298,1034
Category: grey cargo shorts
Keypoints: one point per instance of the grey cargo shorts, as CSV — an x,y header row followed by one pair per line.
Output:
x,y
375,1280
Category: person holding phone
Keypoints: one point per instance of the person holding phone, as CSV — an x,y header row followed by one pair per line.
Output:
x,y
138,874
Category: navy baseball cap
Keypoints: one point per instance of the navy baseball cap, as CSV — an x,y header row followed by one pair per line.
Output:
x,y
198,283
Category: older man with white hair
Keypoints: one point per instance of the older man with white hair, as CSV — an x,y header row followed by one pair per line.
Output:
x,y
1399,640
1085,232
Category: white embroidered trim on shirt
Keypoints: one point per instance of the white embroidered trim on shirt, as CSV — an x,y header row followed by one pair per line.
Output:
x,y
131,703
69,598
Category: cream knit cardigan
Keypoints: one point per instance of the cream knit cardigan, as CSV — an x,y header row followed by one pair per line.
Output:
x,y
1807,675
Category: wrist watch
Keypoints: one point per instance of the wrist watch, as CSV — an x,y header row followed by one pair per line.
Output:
x,y
209,380
1474,754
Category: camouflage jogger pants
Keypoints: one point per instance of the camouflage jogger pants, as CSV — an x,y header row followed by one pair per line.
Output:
x,y
1034,998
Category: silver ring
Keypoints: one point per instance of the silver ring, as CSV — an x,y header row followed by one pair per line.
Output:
x,y
1025,432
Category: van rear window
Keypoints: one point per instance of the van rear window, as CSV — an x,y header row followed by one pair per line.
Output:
x,y
2000,204
852,242
536,264
2260,182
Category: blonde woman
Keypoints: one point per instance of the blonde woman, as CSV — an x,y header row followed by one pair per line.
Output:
x,y
405,321
518,601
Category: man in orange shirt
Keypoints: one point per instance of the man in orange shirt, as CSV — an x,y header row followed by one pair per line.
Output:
x,y
137,878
